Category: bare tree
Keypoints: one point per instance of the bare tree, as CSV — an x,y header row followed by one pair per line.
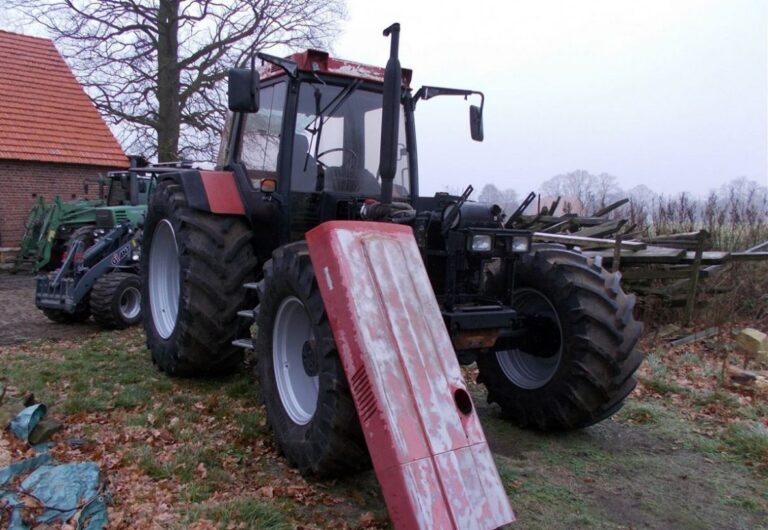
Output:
x,y
155,67
507,199
490,194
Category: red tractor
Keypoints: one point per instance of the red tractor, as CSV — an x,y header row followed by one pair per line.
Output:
x,y
311,139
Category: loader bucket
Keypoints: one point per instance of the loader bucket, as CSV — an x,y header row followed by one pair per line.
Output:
x,y
423,434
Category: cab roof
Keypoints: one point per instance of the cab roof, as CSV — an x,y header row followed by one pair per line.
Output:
x,y
320,62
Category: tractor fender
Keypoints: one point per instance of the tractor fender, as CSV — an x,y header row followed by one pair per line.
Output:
x,y
209,191
423,434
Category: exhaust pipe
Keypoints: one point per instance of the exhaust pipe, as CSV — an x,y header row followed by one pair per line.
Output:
x,y
390,116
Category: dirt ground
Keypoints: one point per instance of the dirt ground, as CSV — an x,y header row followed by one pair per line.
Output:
x,y
21,321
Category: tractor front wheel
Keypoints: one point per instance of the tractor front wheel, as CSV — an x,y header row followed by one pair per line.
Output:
x,y
576,365
309,406
116,300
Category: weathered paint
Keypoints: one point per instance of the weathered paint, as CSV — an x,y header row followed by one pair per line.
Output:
x,y
222,193
432,460
319,61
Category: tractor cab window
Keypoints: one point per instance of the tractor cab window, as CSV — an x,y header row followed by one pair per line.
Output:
x,y
118,194
261,134
338,129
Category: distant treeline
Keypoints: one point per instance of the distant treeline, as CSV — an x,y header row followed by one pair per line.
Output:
x,y
736,214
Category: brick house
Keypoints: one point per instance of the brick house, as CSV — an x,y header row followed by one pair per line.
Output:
x,y
51,135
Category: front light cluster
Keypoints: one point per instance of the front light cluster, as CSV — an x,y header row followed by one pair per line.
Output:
x,y
484,243
521,243
481,243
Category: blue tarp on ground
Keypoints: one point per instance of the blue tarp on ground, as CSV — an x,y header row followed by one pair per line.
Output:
x,y
63,490
26,421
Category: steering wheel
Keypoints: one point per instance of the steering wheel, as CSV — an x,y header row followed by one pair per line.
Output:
x,y
334,150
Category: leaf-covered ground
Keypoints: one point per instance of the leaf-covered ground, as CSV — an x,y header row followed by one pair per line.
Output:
x,y
687,451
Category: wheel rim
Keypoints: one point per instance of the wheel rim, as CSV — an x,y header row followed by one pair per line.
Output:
x,y
523,369
164,285
297,390
130,303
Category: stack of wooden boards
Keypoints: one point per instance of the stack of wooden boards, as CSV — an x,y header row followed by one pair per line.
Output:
x,y
666,266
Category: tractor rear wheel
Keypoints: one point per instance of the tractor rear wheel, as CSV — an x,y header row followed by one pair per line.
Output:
x,y
116,300
193,268
309,406
578,367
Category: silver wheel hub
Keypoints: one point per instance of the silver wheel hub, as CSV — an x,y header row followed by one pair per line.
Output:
x,y
524,369
297,389
130,303
164,279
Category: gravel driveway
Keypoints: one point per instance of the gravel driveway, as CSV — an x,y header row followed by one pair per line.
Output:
x,y
21,321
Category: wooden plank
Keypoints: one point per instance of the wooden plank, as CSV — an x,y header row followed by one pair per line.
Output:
x,y
604,229
616,254
649,255
697,260
690,236
587,241
714,268
710,257
551,219
675,243
556,227
748,256
611,207
693,337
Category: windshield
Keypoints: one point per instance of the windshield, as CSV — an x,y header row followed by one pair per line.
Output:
x,y
344,141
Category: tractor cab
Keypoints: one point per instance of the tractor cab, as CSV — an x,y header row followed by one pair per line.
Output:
x,y
126,194
306,131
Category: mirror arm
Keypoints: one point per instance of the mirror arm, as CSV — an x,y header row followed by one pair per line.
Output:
x,y
429,92
288,66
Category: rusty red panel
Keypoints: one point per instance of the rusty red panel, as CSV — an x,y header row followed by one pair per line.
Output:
x,y
320,61
425,440
222,193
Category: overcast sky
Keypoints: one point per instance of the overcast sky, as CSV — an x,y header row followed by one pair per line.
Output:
x,y
668,93
671,94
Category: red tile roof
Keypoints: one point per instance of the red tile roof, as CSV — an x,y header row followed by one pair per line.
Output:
x,y
44,113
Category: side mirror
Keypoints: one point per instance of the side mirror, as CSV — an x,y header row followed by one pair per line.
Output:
x,y
243,88
476,123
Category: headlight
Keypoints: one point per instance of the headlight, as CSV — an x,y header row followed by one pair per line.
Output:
x,y
135,256
481,243
521,244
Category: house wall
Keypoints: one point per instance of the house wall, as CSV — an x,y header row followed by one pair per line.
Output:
x,y
21,182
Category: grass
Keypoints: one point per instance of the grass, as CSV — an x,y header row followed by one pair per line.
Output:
x,y
200,452
252,513
750,441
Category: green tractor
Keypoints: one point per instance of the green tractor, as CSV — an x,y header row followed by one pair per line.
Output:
x,y
51,227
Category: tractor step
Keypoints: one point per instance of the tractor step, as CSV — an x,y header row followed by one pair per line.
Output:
x,y
251,285
243,343
423,433
247,313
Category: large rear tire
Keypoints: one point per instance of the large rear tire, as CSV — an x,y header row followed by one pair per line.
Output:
x,y
116,300
193,268
309,406
580,367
